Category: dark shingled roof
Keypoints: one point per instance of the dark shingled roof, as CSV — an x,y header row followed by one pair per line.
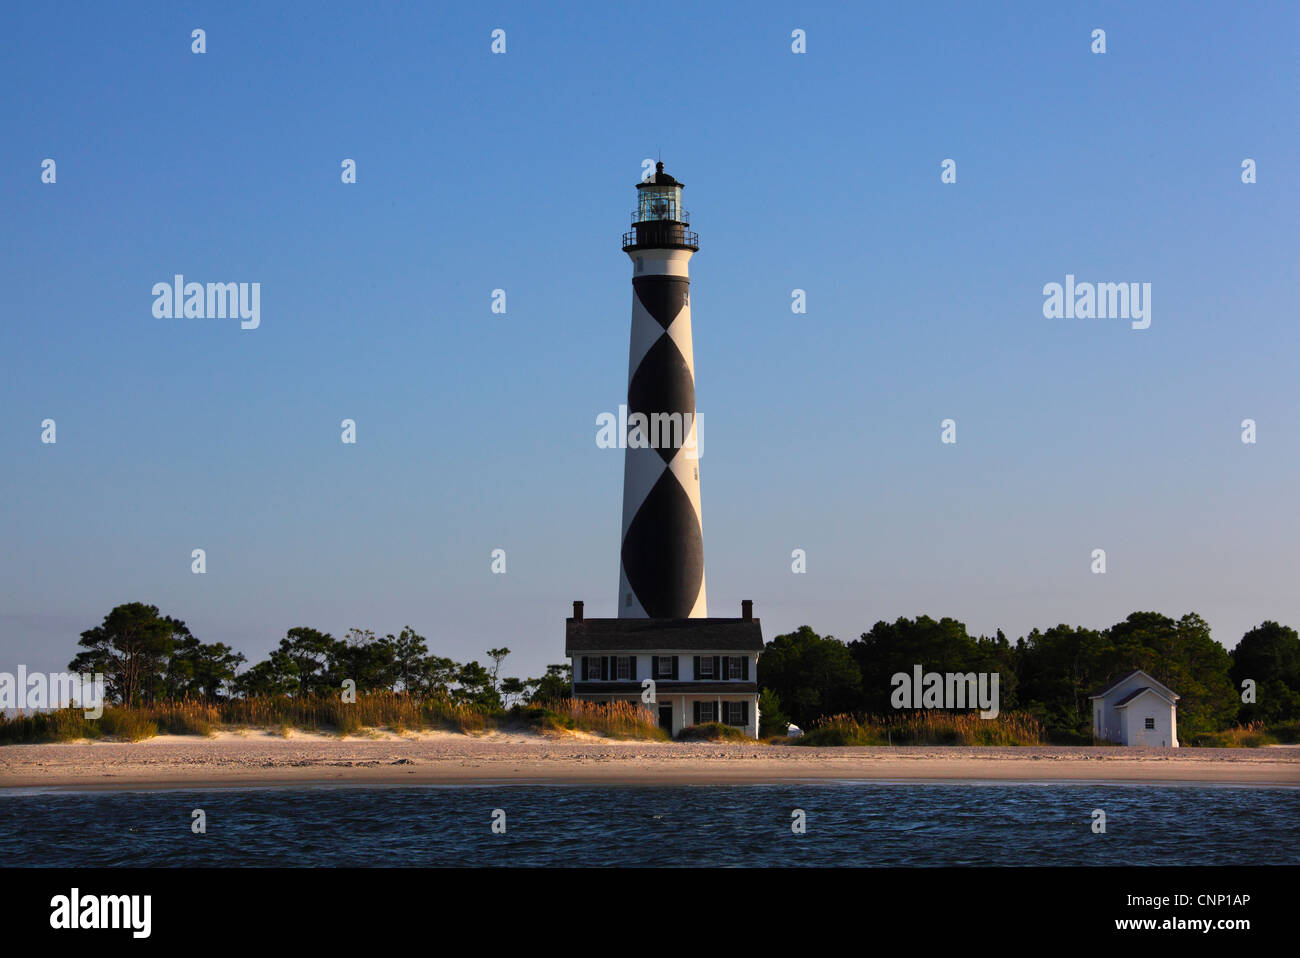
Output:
x,y
1132,695
1114,682
667,635
1131,672
659,178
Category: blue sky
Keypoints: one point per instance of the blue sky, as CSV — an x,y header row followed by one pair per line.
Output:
x,y
476,430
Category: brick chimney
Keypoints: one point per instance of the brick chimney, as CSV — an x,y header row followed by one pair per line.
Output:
x,y
577,611
747,609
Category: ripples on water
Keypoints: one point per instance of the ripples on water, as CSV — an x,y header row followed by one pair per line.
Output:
x,y
849,824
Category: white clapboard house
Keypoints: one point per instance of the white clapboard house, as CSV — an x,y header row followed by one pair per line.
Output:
x,y
1135,709
704,669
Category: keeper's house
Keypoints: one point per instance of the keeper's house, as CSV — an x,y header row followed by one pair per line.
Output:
x,y
1135,709
704,670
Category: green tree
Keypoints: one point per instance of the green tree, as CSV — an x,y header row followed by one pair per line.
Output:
x,y
410,652
130,647
304,656
176,677
264,679
363,658
771,720
512,688
1268,655
497,656
437,674
555,685
198,670
811,675
936,646
1057,671
475,686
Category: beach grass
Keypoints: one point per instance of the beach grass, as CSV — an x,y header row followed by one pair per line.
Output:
x,y
714,732
60,725
611,719
330,715
402,713
1250,735
924,728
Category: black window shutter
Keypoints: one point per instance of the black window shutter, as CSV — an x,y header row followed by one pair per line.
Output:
x,y
717,666
697,713
696,675
604,666
631,666
674,666
744,713
654,666
744,668
583,669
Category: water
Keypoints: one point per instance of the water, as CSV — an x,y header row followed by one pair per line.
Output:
x,y
848,824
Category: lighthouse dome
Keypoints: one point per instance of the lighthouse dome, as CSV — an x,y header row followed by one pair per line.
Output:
x,y
659,178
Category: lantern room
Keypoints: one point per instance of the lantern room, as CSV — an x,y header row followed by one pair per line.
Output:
x,y
659,221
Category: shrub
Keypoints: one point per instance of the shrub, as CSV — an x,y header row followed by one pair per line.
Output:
x,y
713,732
771,720
61,725
925,728
1287,732
1251,735
313,713
613,719
127,724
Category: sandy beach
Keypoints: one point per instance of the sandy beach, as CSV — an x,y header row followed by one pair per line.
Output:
x,y
255,758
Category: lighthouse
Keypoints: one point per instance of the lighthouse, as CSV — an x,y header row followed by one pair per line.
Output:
x,y
663,654
661,566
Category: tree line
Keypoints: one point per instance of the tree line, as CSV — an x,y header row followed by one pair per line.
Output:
x,y
147,657
1050,674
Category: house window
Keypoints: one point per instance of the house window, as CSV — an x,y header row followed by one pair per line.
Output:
x,y
735,667
665,669
1151,723
735,713
593,667
624,667
706,667
706,712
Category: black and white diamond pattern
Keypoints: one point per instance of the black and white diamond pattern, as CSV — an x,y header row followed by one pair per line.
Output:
x,y
662,567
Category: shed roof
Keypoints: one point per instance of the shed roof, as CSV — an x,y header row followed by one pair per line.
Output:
x,y
1155,683
1123,703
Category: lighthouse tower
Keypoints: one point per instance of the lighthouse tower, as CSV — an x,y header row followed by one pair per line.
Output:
x,y
704,670
661,568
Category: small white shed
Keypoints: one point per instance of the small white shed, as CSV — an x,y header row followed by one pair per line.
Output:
x,y
1135,709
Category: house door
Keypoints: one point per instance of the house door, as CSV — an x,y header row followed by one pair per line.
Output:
x,y
666,718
